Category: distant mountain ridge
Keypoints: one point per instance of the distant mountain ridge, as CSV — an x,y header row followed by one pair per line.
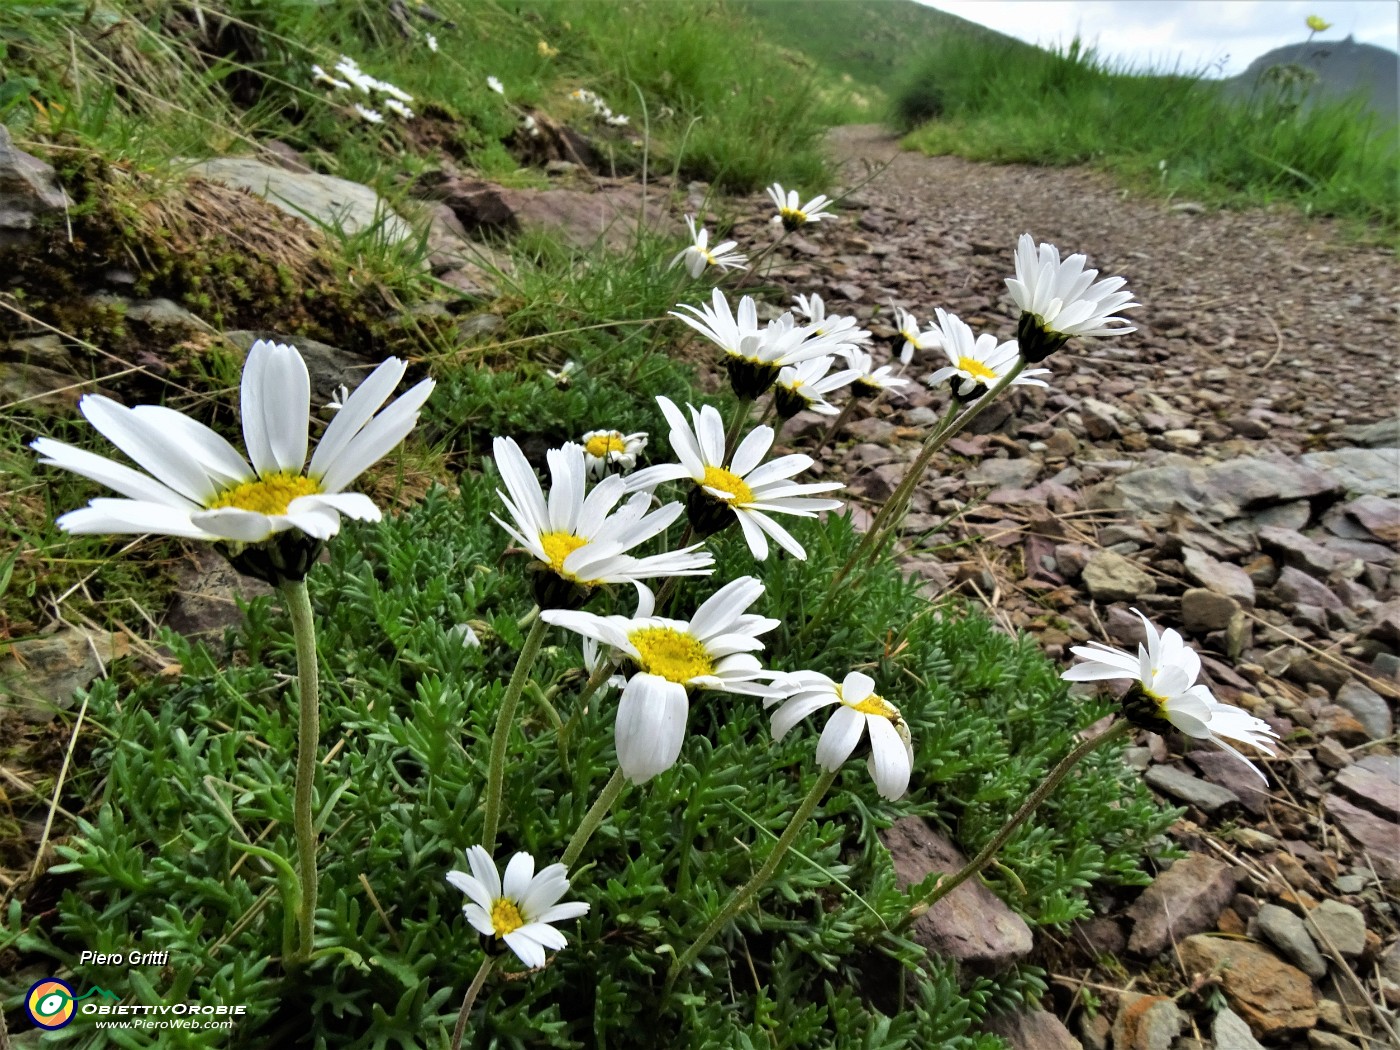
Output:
x,y
1342,68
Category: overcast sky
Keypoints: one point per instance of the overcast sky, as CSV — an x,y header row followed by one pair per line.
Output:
x,y
1194,33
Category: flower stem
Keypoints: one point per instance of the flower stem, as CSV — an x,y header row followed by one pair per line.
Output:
x,y
743,897
731,438
469,1000
589,824
298,602
496,772
752,270
946,886
836,425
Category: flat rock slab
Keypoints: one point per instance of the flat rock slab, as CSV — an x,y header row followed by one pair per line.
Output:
x,y
40,675
1378,837
322,200
1273,998
1360,471
970,924
1194,791
1187,898
1224,490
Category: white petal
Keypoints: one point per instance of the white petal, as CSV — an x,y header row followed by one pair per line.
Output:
x,y
484,869
889,759
526,948
377,439
149,448
567,910
280,407
796,709
352,504
356,412
651,717
519,872
839,737
545,888
115,476
220,460
472,887
235,523
116,517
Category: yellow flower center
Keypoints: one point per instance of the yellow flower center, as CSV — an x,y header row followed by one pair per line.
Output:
x,y
729,483
558,546
876,706
976,369
796,215
672,654
600,445
267,495
505,917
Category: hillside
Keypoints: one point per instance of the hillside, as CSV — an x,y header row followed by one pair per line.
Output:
x,y
869,40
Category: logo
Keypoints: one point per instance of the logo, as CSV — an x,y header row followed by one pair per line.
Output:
x,y
50,1002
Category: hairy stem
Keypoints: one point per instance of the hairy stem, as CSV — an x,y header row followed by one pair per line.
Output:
x,y
946,886
469,1000
589,824
496,772
298,601
744,896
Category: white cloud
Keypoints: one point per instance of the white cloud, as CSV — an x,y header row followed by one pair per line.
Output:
x,y
1222,37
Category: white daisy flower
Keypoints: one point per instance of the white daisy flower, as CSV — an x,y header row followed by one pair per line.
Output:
x,y
791,214
844,329
714,650
746,488
617,120
350,70
320,76
914,339
564,375
860,710
977,363
398,108
870,381
463,633
396,93
580,537
369,116
1164,672
495,85
698,255
754,356
605,449
1061,299
338,399
806,385
198,486
521,910
431,41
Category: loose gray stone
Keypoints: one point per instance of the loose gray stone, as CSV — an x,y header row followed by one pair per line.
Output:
x,y
1187,898
1192,790
1293,548
29,191
1341,924
1033,1030
1360,471
1289,935
1294,587
1385,434
1229,1032
1223,490
1222,577
1369,708
1203,610
1320,1040
322,200
1113,578
1146,1022
1015,473
40,675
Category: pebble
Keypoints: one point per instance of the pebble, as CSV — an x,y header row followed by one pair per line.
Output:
x,y
1342,925
1187,898
1229,1032
1146,1022
1368,707
1287,932
1111,577
1192,790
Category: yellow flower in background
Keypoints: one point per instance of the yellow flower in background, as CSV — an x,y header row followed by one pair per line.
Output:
x,y
1317,25
545,51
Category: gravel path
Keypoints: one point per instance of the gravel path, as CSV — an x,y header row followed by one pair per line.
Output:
x,y
1230,468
